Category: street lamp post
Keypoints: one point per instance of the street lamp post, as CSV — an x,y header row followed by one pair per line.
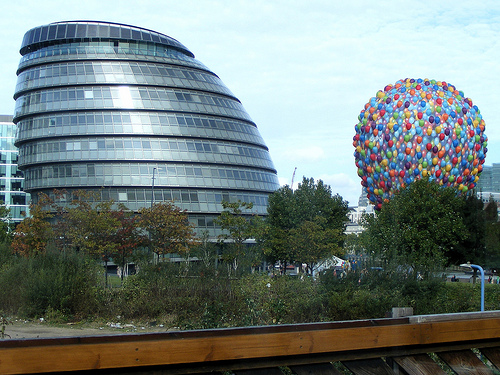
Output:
x,y
475,266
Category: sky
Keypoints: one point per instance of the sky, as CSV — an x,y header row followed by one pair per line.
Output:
x,y
304,69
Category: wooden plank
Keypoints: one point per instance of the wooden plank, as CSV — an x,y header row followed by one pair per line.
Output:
x,y
465,362
454,316
420,364
374,366
315,369
263,371
39,356
493,355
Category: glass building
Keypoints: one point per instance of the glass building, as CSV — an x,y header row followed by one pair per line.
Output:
x,y
11,178
130,113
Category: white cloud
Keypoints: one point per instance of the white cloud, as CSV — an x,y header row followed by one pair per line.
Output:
x,y
344,185
307,154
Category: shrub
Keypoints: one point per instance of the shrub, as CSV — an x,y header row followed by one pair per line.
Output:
x,y
57,282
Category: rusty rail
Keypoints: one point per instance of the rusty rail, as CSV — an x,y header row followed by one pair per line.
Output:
x,y
379,346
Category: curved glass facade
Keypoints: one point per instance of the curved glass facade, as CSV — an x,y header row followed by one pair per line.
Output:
x,y
103,106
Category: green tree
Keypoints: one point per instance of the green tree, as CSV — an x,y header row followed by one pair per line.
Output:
x,y
418,226
306,225
128,237
6,227
88,224
238,226
206,252
34,233
353,244
169,230
492,256
472,247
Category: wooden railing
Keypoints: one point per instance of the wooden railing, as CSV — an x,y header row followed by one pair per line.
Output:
x,y
468,343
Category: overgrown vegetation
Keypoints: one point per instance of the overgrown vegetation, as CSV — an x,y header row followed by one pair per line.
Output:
x,y
69,286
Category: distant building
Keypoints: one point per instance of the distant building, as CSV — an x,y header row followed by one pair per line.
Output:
x,y
488,185
357,212
11,178
129,113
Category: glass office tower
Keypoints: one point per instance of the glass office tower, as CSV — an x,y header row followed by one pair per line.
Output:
x,y
11,178
130,113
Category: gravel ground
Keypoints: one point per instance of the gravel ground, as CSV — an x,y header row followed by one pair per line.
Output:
x,y
29,330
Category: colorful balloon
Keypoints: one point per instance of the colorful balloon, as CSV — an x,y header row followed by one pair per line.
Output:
x,y
418,128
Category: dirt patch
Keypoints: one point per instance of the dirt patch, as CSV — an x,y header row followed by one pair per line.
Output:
x,y
28,330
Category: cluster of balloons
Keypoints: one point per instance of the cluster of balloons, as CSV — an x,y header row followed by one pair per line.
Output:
x,y
418,128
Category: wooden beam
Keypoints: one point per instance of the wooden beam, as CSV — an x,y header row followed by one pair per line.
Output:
x,y
248,344
375,366
315,369
263,371
493,355
465,362
420,364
